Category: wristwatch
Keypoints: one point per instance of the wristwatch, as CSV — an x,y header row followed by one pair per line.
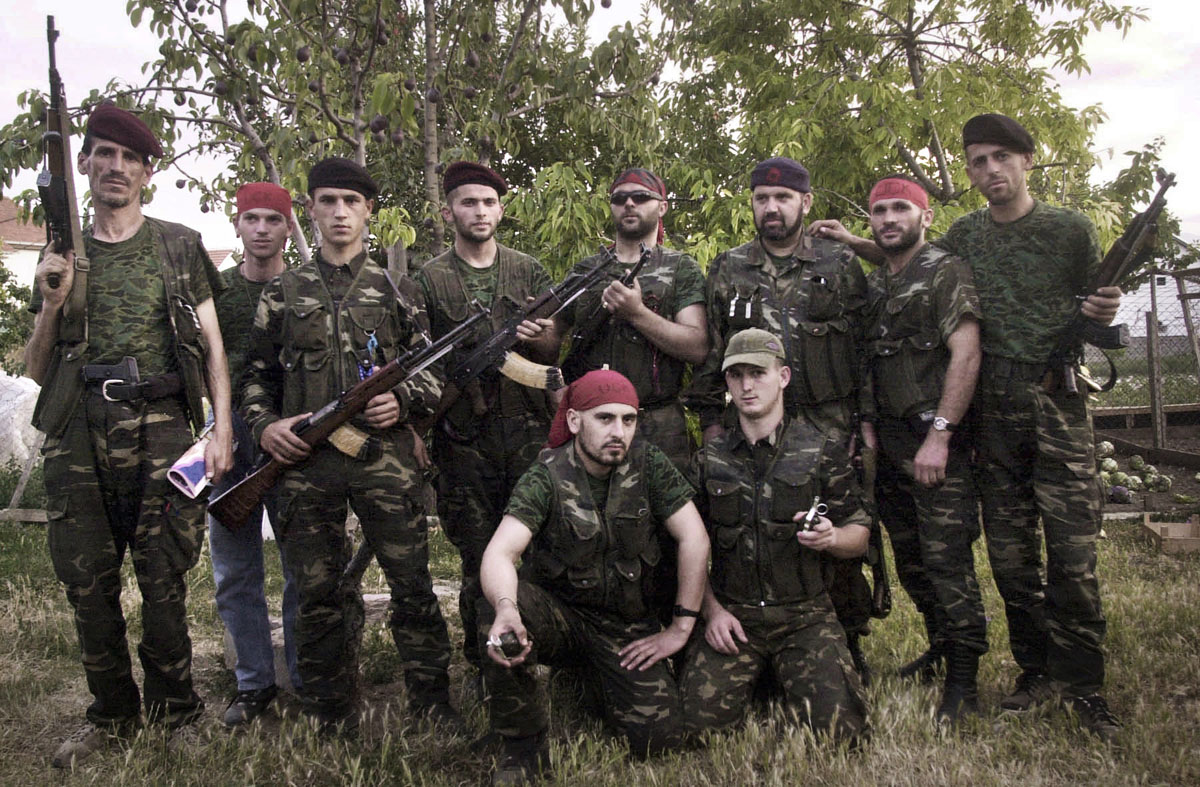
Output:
x,y
940,424
684,612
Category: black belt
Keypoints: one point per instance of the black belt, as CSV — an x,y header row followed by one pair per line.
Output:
x,y
121,382
999,368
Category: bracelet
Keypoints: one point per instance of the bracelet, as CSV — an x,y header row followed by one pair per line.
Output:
x,y
509,600
683,612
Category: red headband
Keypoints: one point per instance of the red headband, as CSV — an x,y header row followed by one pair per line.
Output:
x,y
646,178
899,188
264,195
602,386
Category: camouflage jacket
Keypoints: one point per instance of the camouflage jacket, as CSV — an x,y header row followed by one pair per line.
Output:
x,y
749,507
911,314
518,276
813,302
305,348
602,561
657,376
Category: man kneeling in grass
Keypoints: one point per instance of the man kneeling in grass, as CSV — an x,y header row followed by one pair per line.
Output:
x,y
766,606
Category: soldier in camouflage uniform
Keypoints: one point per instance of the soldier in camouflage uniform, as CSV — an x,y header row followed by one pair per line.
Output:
x,y
124,369
480,455
766,607
584,521
922,342
1035,455
320,328
810,292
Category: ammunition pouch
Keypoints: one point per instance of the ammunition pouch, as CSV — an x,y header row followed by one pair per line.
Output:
x,y
62,389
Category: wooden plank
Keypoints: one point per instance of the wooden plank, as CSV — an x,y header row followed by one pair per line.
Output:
x,y
1158,421
1165,456
1173,538
23,515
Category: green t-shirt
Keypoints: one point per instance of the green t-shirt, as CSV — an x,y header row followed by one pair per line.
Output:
x,y
235,313
1028,273
533,495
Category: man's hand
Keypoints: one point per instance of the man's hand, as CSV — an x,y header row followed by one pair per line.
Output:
x,y
622,301
821,537
723,631
1102,305
283,444
929,465
831,229
382,411
531,330
420,450
64,267
644,653
508,619
218,454
869,437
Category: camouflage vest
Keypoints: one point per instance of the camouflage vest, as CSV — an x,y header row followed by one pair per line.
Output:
x,y
803,304
450,306
756,558
324,343
657,376
907,355
63,386
588,559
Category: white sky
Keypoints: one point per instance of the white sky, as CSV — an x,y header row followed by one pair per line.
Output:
x,y
1141,81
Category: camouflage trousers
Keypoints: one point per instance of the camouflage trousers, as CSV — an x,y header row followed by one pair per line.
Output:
x,y
475,480
107,491
385,494
642,706
932,531
666,428
1036,459
802,645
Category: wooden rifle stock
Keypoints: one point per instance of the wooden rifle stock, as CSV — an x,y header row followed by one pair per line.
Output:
x,y
234,506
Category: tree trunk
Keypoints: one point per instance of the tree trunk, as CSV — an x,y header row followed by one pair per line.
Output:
x,y
430,141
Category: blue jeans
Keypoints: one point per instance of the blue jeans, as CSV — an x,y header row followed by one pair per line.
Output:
x,y
237,560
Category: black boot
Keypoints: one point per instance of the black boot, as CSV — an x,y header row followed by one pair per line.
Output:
x,y
925,667
960,695
860,661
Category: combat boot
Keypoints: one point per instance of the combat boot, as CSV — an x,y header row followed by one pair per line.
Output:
x,y
960,693
924,668
1032,689
1094,716
89,739
523,761
859,658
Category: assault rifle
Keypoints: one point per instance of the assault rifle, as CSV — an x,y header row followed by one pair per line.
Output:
x,y
55,183
497,350
588,330
234,506
1132,247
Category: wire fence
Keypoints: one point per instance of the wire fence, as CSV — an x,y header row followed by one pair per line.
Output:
x,y
1171,300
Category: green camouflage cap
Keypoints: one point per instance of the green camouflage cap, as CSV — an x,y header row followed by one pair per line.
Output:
x,y
753,346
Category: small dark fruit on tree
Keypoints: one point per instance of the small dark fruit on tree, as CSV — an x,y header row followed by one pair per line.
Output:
x,y
181,183
485,142
314,85
378,124
252,53
191,6
606,3
342,56
204,208
410,84
470,92
303,54
220,88
434,95
429,222
312,137
398,136
472,59
231,38
379,137
381,37
485,37
180,99
440,168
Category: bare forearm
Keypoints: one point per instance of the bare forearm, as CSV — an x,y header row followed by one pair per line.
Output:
x,y
683,340
41,343
962,372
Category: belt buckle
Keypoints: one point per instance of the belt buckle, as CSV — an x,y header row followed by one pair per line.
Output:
x,y
104,389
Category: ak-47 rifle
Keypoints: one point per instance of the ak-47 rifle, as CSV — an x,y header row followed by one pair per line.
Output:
x,y
1132,247
497,350
233,507
55,183
589,329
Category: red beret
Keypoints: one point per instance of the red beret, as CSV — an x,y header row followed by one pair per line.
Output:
x,y
108,121
264,195
602,386
899,188
460,173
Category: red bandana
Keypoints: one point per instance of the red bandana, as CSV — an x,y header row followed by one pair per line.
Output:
x,y
602,386
899,188
643,177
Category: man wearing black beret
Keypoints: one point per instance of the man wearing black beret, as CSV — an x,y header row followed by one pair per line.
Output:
x,y
810,292
492,433
128,353
321,327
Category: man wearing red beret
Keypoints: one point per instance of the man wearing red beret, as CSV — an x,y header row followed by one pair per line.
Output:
x,y
587,521
125,370
263,223
481,455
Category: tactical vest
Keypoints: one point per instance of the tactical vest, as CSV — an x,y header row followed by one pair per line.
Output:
x,y
657,376
450,306
325,343
756,557
907,355
810,317
63,386
588,559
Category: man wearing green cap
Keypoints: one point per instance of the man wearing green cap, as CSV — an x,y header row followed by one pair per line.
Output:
x,y
776,493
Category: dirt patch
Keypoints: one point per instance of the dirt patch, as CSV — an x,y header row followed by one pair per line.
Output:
x,y
1184,438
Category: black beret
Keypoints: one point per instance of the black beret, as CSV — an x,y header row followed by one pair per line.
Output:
x,y
460,173
997,130
341,173
780,171
108,121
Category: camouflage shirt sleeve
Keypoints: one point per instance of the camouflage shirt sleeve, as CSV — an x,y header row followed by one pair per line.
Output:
x,y
689,284
840,488
531,497
669,489
954,295
419,394
262,379
706,394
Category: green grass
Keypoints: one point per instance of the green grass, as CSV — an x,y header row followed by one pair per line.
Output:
x,y
1152,603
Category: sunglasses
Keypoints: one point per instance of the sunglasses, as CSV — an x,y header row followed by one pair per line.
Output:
x,y
638,197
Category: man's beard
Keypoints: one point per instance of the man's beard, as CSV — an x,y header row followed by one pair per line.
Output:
x,y
639,231
468,233
600,459
908,239
781,233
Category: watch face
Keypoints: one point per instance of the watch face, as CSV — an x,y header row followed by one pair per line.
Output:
x,y
940,423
